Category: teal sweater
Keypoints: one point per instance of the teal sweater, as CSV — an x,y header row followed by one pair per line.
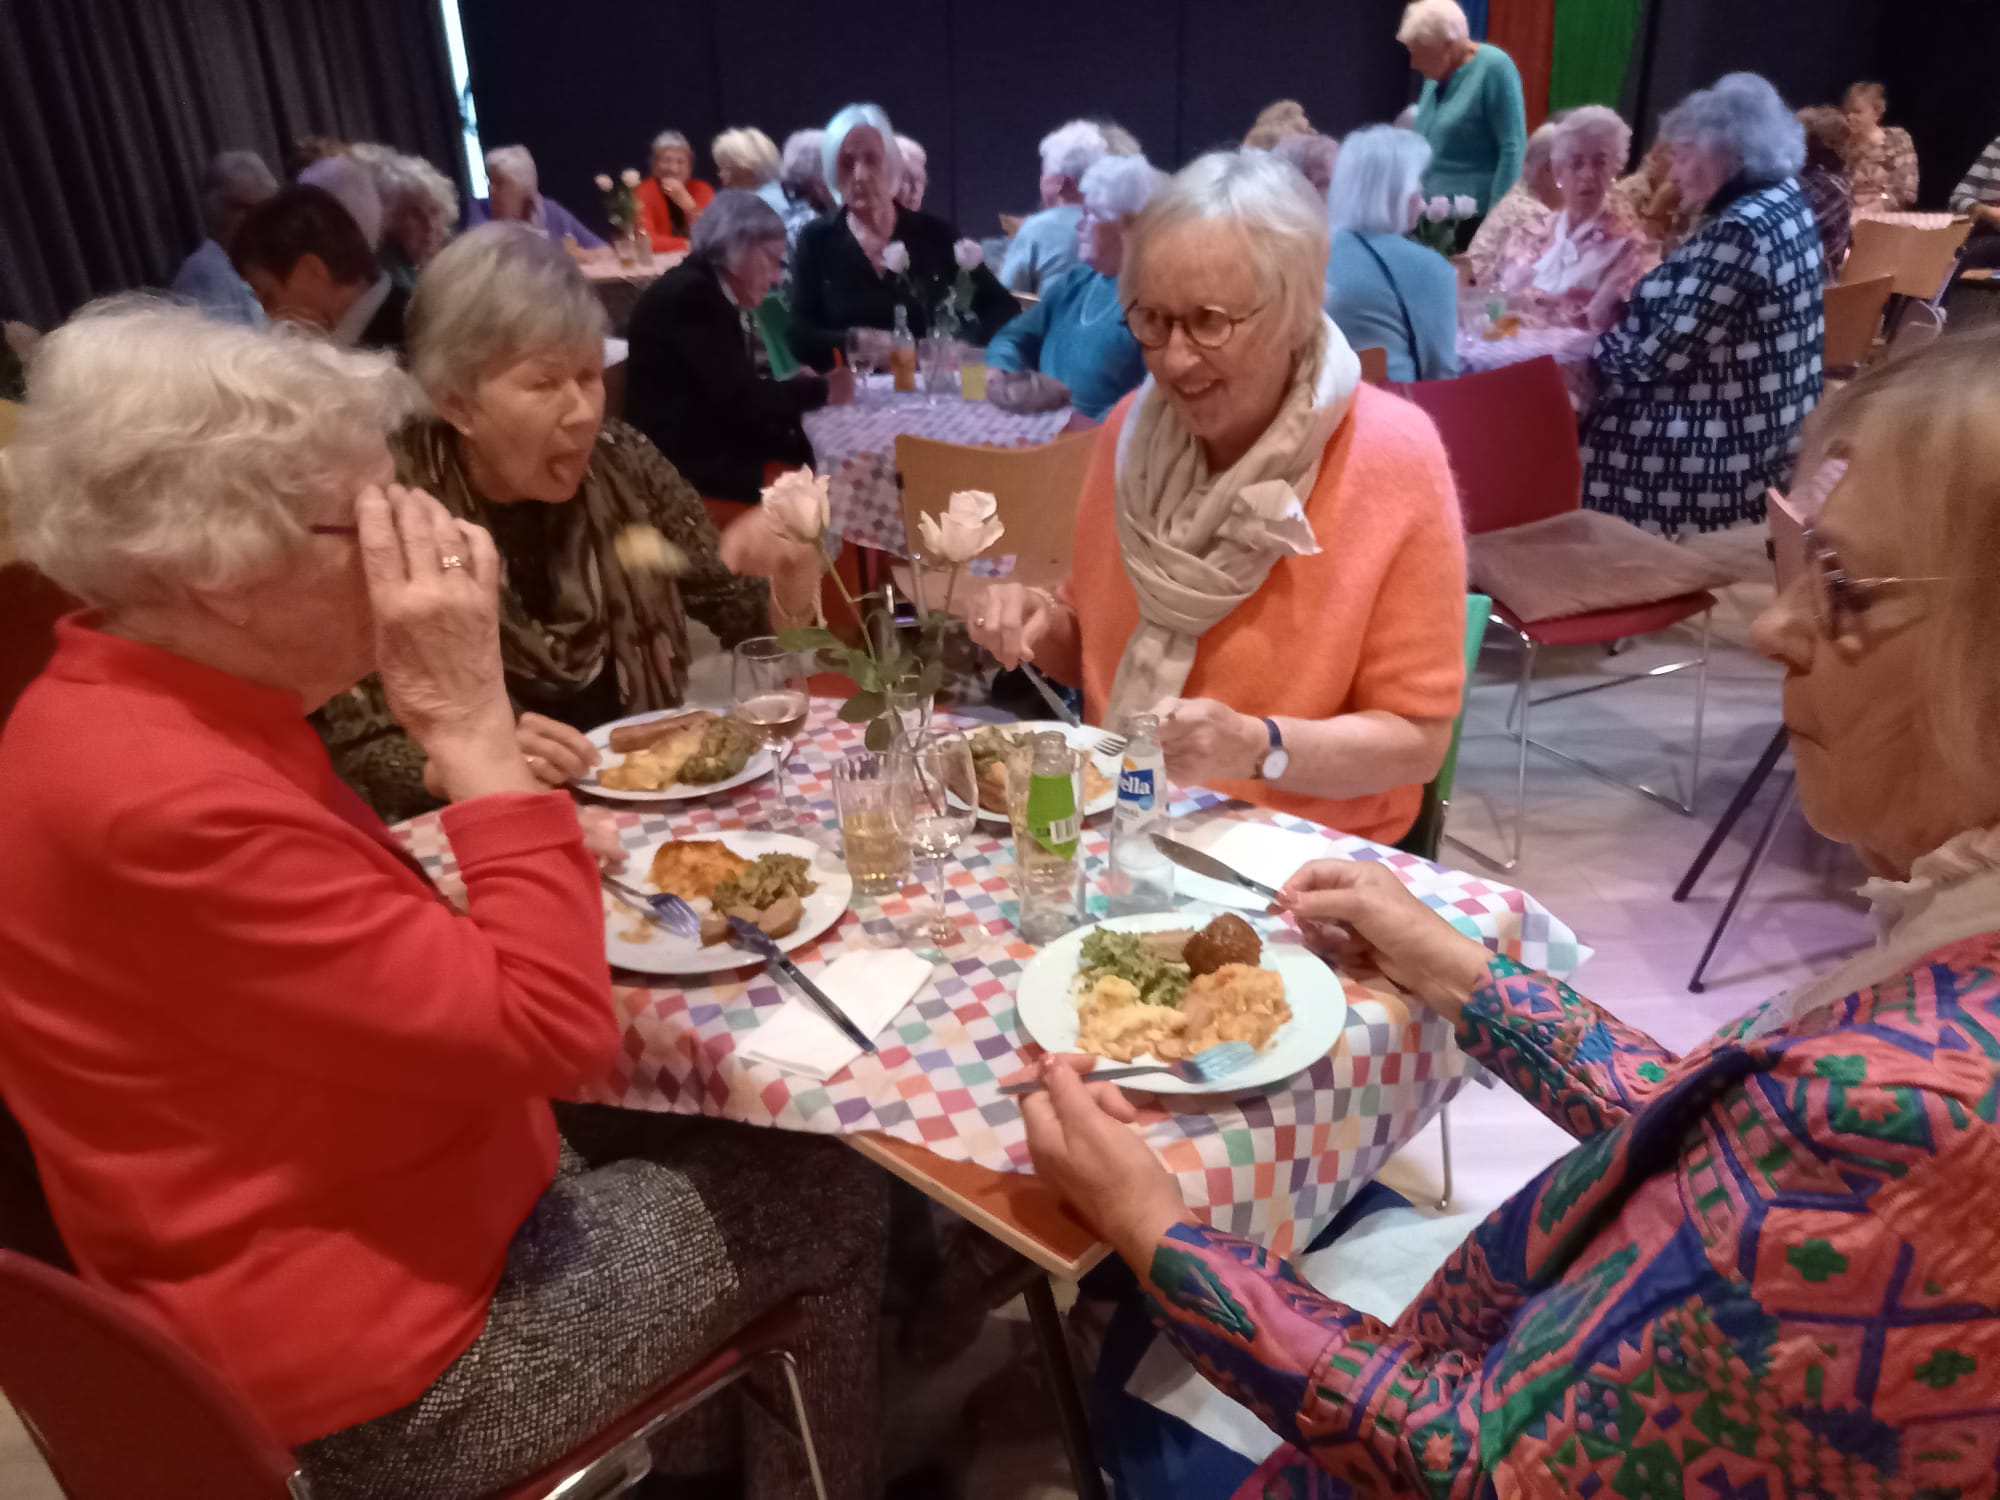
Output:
x,y
1477,127
1098,360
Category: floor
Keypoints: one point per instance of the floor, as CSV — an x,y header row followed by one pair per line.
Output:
x,y
1603,859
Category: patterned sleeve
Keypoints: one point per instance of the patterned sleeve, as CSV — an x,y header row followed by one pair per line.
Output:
x,y
1579,1065
1694,299
1982,182
1901,167
732,605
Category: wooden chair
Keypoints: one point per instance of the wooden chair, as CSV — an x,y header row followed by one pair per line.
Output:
x,y
1853,317
1374,364
1919,260
1010,224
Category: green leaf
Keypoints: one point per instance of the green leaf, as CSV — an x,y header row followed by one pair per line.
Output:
x,y
807,638
866,672
931,678
880,735
862,707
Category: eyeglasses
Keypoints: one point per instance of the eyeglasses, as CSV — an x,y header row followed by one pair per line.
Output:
x,y
327,529
1206,327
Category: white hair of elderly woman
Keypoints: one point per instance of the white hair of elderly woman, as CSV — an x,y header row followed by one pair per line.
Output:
x,y
163,453
871,115
1115,186
401,179
1378,172
747,152
516,164
1591,125
1071,150
354,186
1744,119
498,293
799,165
1433,21
231,182
1541,142
735,220
1277,214
671,138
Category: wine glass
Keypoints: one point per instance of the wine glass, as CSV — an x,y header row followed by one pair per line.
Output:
x,y
863,357
772,698
935,801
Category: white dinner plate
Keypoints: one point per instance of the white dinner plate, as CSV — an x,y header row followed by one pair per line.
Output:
x,y
763,760
1319,1007
1079,737
663,952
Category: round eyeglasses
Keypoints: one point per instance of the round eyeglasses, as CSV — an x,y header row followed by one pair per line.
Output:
x,y
1206,327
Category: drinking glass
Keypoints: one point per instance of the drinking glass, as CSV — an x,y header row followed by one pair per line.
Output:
x,y
935,801
862,359
940,365
864,789
772,698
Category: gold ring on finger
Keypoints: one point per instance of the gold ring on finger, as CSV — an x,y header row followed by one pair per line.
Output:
x,y
451,560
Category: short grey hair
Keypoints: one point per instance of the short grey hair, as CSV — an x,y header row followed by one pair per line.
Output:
x,y
1283,227
404,180
735,220
748,150
1433,21
233,183
163,453
1073,149
1379,170
516,164
670,138
1744,118
799,165
1115,186
1588,125
875,118
1541,143
497,293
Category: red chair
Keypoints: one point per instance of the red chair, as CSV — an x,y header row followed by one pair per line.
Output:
x,y
120,1410
1511,435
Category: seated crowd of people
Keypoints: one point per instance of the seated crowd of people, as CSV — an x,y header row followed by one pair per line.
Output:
x,y
353,537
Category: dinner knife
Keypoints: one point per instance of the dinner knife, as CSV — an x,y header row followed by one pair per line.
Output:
x,y
1050,696
755,938
1190,858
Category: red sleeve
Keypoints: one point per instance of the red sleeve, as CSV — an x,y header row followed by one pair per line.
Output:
x,y
295,938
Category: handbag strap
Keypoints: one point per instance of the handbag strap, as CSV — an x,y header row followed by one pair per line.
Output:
x,y
1409,328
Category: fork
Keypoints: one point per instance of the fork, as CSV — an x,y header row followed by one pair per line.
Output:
x,y
673,913
1105,743
1210,1065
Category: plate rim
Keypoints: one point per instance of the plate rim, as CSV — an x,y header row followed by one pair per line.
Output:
x,y
1110,798
680,791
798,938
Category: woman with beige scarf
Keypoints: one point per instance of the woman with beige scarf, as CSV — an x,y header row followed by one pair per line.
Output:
x,y
1268,553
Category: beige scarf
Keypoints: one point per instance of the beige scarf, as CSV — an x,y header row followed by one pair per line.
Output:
x,y
1195,544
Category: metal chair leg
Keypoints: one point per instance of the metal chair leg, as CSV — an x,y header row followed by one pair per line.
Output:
x,y
1523,694
1738,805
1444,1140
1046,1320
1696,984
790,1365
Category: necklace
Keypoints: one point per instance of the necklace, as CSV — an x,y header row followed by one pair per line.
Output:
x,y
1083,312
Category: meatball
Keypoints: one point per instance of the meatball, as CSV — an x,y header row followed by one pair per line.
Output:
x,y
1227,940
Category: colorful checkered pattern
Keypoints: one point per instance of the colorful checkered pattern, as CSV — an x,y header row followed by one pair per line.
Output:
x,y
1275,1166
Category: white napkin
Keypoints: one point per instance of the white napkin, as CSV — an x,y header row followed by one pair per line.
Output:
x,y
871,985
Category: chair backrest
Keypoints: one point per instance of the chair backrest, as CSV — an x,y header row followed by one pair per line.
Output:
x,y
1374,364
1511,435
1037,490
117,1408
1920,260
1427,833
1853,314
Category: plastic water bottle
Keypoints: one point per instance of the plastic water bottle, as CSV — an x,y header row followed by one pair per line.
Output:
x,y
1045,850
1142,878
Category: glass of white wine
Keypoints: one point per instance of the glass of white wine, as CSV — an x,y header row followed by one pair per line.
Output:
x,y
935,801
772,698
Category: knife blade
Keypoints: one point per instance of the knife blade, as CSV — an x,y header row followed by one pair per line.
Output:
x,y
1050,696
1190,858
760,942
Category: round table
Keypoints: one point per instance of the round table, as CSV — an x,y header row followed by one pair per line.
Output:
x,y
1569,347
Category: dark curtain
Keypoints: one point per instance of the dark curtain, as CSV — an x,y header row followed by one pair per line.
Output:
x,y
110,108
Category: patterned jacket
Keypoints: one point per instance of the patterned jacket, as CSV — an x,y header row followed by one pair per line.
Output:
x,y
1704,381
1769,1269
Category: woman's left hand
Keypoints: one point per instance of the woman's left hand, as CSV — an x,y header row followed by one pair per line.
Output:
x,y
676,190
600,837
1207,741
1081,1139
555,752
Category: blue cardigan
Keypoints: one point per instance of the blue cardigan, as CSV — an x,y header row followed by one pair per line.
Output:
x,y
1362,302
1099,361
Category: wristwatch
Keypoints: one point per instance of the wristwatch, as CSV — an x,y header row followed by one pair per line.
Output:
x,y
1277,760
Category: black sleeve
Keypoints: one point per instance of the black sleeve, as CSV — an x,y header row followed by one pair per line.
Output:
x,y
698,339
993,306
815,336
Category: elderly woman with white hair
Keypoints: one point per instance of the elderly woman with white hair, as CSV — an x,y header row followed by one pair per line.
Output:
x,y
916,178
671,197
1517,228
1581,274
1703,382
1383,289
1470,109
706,349
515,196
854,268
747,159
419,207
233,183
1045,245
298,1114
1268,552
1072,348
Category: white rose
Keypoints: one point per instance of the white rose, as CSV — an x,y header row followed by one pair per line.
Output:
x,y
967,528
796,504
630,177
895,257
1438,210
1465,206
968,255
604,182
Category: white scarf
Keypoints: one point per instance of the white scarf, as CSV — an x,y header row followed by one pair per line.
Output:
x,y
1577,255
1195,544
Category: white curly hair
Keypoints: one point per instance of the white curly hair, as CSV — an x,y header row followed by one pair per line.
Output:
x,y
1745,119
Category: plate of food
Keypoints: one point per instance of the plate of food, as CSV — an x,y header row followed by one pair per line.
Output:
x,y
672,756
991,742
1157,989
772,879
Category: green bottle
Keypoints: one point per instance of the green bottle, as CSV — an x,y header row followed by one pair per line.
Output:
x,y
1052,813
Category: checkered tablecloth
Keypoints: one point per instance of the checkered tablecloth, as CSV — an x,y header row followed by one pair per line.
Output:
x,y
1569,346
856,446
1276,1165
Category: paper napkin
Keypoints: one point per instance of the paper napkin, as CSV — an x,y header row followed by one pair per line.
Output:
x,y
871,985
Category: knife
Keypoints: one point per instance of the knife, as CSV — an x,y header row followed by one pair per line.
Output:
x,y
1190,858
1050,696
755,938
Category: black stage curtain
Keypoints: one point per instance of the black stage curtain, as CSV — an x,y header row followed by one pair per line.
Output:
x,y
110,108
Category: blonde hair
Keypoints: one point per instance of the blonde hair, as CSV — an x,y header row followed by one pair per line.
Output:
x,y
745,152
1276,121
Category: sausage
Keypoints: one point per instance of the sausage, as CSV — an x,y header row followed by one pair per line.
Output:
x,y
627,738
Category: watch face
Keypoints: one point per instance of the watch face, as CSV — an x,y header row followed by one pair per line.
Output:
x,y
1276,764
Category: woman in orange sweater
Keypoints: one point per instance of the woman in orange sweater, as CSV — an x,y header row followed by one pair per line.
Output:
x,y
672,198
1268,553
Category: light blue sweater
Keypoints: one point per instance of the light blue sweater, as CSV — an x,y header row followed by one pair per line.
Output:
x,y
1077,334
1477,126
1043,248
1362,302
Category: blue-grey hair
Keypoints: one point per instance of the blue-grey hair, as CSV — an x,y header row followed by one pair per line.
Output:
x,y
1379,170
1115,186
735,220
877,119
1744,118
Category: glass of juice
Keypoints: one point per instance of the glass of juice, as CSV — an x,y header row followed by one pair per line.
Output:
x,y
878,857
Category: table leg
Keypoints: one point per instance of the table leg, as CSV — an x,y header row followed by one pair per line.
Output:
x,y
1056,1363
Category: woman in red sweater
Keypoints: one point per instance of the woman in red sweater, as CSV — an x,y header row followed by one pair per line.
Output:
x,y
1268,553
672,197
282,1097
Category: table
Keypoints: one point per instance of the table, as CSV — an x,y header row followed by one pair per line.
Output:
x,y
856,446
619,286
1909,219
1569,347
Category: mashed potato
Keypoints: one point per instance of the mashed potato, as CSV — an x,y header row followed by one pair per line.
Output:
x,y
1237,1003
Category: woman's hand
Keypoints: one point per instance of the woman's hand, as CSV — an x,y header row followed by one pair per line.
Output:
x,y
678,194
1365,910
839,386
554,751
1082,1142
433,586
1207,741
1011,619
1025,391
600,837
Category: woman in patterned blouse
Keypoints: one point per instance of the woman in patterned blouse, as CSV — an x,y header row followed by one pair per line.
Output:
x,y
1768,1267
1882,159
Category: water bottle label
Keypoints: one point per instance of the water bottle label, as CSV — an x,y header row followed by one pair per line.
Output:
x,y
1135,786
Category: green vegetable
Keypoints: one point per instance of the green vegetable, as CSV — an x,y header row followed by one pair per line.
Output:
x,y
1159,981
769,877
989,743
725,749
